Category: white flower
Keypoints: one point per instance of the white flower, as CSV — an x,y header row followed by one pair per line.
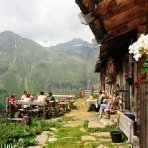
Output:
x,y
140,47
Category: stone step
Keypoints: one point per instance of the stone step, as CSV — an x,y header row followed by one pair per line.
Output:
x,y
88,138
42,138
95,124
101,134
106,122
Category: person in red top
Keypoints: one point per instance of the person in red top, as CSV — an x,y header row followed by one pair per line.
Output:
x,y
12,100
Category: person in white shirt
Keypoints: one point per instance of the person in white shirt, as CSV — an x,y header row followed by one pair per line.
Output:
x,y
42,98
27,99
102,96
24,95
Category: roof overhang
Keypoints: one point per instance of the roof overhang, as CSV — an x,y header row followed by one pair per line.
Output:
x,y
115,48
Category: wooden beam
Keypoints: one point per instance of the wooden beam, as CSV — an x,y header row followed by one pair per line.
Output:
x,y
104,7
89,4
124,17
112,8
126,27
82,7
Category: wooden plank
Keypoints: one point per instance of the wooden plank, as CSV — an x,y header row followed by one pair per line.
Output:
x,y
142,28
121,29
44,112
144,114
15,119
20,102
7,106
120,2
10,110
135,23
104,7
89,4
65,96
124,17
114,6
126,125
139,1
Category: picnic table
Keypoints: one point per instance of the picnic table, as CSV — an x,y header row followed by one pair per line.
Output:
x,y
92,101
33,107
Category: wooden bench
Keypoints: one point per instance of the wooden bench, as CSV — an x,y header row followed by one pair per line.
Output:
x,y
126,125
35,107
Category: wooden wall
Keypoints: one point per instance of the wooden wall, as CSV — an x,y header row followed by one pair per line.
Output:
x,y
144,115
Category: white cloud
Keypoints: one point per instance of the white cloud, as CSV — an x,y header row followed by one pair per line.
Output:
x,y
44,21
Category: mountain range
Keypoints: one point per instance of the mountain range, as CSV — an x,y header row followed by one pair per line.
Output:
x,y
64,68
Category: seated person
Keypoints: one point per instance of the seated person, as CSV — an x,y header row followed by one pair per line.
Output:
x,y
104,107
42,98
27,99
24,95
12,100
101,97
115,101
52,98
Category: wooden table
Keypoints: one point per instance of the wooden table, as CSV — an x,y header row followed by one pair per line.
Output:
x,y
39,106
92,101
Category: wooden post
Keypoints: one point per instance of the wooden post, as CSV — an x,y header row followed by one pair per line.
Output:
x,y
10,110
144,115
44,111
7,106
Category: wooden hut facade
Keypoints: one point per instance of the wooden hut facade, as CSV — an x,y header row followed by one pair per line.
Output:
x,y
116,24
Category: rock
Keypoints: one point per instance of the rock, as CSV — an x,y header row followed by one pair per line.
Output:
x,y
82,129
88,144
59,119
102,146
101,134
42,138
106,122
51,134
46,132
114,118
88,138
53,129
52,139
105,140
95,124
71,125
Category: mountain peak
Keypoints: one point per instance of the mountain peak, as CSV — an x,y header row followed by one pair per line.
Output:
x,y
9,34
76,42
